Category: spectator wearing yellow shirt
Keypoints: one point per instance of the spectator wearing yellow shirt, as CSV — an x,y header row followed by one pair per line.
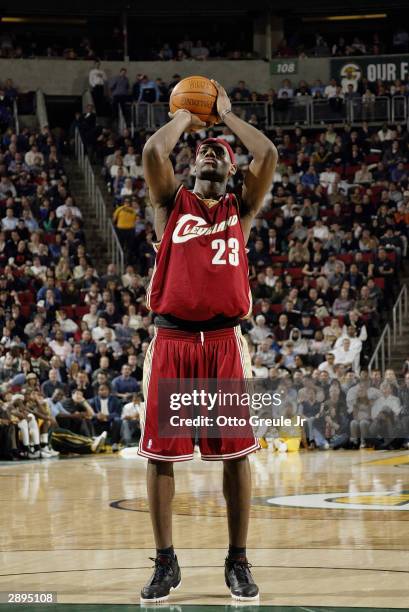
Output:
x,y
125,218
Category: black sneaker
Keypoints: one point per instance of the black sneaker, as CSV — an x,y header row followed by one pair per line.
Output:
x,y
239,579
165,578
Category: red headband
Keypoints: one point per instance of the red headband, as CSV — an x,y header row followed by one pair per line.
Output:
x,y
219,141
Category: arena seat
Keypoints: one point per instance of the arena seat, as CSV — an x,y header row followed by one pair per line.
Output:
x,y
347,258
379,282
80,311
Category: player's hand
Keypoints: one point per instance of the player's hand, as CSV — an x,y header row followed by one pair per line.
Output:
x,y
223,101
195,125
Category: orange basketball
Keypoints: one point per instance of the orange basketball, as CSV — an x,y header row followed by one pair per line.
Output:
x,y
198,95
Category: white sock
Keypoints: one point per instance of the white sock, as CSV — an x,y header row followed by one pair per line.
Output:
x,y
34,431
23,427
44,439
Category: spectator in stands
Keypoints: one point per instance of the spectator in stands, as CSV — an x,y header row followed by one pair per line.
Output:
x,y
125,217
50,386
199,51
119,88
107,409
148,90
125,385
400,41
130,417
60,346
97,79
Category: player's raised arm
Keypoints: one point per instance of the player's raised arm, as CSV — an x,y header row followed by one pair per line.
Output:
x,y
260,173
158,169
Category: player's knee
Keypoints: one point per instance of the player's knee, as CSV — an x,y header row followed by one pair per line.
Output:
x,y
160,467
233,465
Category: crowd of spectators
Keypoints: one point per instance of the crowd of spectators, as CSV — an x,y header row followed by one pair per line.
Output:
x,y
289,100
72,342
200,50
339,410
28,45
301,45
325,253
13,45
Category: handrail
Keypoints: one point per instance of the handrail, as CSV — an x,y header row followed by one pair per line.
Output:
x,y
399,310
15,116
41,109
390,335
382,352
303,110
86,100
121,119
105,225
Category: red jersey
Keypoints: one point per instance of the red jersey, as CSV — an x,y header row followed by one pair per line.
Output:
x,y
201,268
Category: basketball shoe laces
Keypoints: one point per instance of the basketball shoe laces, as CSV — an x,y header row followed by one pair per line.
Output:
x,y
162,569
241,568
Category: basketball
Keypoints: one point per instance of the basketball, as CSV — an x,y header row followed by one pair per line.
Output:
x,y
198,95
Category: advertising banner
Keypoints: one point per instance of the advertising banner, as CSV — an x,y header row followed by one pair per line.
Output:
x,y
384,67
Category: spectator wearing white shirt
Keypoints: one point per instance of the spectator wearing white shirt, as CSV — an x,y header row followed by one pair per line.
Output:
x,y
385,412
127,188
101,331
385,133
266,354
330,90
130,418
350,333
97,79
328,365
68,206
136,170
81,269
320,230
9,222
130,157
113,158
67,325
386,402
37,269
118,168
286,89
91,317
34,156
259,370
228,136
242,159
270,279
363,175
6,186
345,356
328,178
260,331
372,394
60,346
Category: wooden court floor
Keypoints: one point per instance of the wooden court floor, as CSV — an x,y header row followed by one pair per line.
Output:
x,y
328,529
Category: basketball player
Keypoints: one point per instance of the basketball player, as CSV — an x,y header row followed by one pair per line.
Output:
x,y
199,291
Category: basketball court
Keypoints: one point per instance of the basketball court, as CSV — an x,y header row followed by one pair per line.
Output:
x,y
328,529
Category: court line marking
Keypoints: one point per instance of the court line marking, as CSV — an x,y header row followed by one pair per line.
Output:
x,y
288,548
292,567
273,508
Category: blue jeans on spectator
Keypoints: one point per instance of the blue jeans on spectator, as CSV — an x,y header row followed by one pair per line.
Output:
x,y
128,429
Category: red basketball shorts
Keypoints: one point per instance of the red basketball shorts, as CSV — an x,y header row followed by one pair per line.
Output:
x,y
220,354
